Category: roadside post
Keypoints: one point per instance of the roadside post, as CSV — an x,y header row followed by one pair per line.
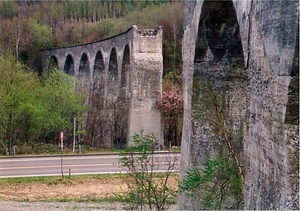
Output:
x,y
74,135
61,153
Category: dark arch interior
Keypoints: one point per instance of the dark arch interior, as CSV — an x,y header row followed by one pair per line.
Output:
x,y
84,65
69,65
125,69
113,67
292,108
99,64
53,62
218,31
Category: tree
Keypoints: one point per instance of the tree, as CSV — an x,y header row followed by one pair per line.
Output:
x,y
31,109
19,105
62,100
213,184
171,106
146,188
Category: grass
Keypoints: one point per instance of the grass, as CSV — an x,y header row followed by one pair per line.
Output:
x,y
54,180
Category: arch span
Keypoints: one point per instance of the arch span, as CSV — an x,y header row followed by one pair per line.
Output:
x,y
69,67
218,33
113,83
125,73
99,64
54,62
84,68
113,65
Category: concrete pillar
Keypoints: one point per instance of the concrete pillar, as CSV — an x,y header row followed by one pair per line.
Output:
x,y
146,81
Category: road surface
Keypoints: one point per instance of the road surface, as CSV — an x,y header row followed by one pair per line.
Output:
x,y
74,165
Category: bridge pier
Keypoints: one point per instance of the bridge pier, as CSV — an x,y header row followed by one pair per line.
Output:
x,y
263,100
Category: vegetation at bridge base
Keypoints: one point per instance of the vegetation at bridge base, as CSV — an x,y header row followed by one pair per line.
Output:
x,y
215,185
147,189
217,182
171,107
33,110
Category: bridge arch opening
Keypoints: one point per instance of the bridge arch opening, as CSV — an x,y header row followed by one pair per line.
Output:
x,y
218,34
113,84
113,65
69,65
292,108
84,65
125,73
54,62
98,73
220,82
99,64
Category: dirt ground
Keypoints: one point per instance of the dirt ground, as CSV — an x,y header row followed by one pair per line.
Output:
x,y
62,190
61,195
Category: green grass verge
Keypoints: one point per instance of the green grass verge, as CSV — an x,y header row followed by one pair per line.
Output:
x,y
54,180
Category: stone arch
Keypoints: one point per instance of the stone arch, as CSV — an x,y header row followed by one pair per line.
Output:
x,y
113,64
69,65
54,62
99,64
83,69
99,72
292,108
218,34
113,74
220,74
125,73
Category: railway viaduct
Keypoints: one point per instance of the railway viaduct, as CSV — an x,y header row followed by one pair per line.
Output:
x,y
123,79
248,51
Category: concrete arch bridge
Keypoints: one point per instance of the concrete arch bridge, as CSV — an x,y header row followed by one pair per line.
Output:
x,y
123,77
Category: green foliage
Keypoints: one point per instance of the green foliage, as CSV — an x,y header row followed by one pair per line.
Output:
x,y
62,100
141,143
19,105
214,185
30,109
146,189
8,9
40,34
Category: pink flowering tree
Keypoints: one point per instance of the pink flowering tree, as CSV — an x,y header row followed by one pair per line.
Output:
x,y
171,106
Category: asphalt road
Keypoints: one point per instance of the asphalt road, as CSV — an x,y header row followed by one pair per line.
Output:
x,y
75,165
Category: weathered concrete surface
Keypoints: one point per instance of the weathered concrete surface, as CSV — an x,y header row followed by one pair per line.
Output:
x,y
123,78
146,83
269,108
